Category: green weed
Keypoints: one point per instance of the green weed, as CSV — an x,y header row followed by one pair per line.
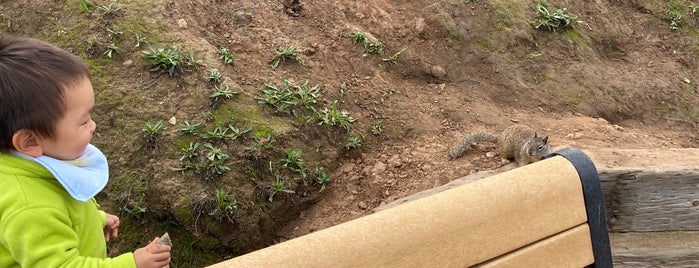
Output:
x,y
285,53
216,164
219,132
187,128
139,40
358,37
353,142
152,133
85,6
558,20
377,128
282,97
215,76
110,9
335,117
237,132
322,177
225,206
189,152
111,49
675,14
279,186
115,32
226,55
370,46
375,47
221,94
294,162
392,58
168,60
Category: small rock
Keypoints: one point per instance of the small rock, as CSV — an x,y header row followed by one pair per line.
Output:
x,y
490,154
128,63
242,17
182,24
395,161
438,72
172,121
420,26
379,168
362,205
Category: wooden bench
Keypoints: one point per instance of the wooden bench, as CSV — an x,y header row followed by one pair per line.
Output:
x,y
546,214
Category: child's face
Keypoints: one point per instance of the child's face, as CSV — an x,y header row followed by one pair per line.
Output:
x,y
75,129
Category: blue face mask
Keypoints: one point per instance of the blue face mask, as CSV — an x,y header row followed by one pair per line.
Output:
x,y
83,177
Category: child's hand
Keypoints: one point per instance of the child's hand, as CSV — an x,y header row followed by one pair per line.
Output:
x,y
111,228
152,255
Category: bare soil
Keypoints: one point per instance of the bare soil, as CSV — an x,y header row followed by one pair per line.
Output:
x,y
621,79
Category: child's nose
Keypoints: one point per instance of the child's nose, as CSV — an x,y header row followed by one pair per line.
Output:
x,y
93,126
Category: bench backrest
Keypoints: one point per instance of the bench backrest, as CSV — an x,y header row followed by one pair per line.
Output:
x,y
537,215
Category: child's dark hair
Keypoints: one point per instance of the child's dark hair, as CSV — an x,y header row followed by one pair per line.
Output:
x,y
33,76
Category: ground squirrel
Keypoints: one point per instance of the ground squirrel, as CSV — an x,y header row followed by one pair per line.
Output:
x,y
517,141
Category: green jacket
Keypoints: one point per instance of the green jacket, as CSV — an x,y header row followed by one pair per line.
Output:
x,y
41,225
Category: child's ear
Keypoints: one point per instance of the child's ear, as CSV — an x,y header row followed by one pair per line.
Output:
x,y
27,142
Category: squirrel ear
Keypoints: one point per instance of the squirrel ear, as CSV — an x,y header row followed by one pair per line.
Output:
x,y
546,139
535,134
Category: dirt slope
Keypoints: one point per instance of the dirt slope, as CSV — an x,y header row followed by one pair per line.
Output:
x,y
615,81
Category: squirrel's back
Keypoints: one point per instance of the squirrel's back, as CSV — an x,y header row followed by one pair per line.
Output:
x,y
517,141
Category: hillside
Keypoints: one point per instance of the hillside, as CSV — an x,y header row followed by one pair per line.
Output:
x,y
621,77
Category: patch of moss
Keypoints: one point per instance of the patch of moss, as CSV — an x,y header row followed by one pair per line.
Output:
x,y
509,13
451,26
581,43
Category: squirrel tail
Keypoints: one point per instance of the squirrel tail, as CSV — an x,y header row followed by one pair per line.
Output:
x,y
465,143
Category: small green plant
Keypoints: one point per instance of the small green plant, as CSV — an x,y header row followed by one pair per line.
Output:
x,y
111,49
293,161
282,97
215,76
115,32
558,20
392,59
85,6
377,128
674,12
353,142
139,40
110,9
216,164
187,128
534,54
279,186
237,132
208,116
370,46
189,152
168,60
285,53
358,37
226,55
221,94
322,177
375,47
335,117
224,204
343,88
219,132
152,133
266,141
